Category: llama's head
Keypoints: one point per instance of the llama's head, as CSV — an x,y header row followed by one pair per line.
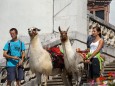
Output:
x,y
63,35
33,31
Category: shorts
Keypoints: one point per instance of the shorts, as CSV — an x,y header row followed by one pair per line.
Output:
x,y
15,73
94,68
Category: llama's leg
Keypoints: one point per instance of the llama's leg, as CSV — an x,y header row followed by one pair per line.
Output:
x,y
77,78
44,80
64,78
38,79
70,79
63,75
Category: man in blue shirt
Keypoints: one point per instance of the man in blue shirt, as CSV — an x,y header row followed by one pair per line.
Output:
x,y
14,52
90,39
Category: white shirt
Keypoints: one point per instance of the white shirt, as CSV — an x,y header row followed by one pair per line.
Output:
x,y
94,45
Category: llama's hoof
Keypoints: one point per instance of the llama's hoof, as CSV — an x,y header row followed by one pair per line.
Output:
x,y
44,84
39,85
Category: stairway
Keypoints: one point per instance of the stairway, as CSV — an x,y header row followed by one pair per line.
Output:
x,y
52,81
109,68
57,80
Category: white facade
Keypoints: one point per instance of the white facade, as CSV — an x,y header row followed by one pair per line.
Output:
x,y
71,13
23,14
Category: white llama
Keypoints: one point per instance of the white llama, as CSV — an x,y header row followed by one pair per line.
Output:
x,y
72,60
40,60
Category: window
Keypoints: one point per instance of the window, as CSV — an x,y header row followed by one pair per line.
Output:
x,y
91,12
100,14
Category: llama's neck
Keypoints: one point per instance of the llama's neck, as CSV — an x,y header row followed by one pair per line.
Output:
x,y
35,42
71,60
69,55
67,45
68,51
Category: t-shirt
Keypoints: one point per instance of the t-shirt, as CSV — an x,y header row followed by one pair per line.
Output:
x,y
16,47
90,39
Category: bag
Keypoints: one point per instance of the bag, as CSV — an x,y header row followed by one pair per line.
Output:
x,y
57,57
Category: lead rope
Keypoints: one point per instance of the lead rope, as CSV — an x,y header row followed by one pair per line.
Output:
x,y
27,59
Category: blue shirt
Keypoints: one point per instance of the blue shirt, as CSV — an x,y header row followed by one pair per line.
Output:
x,y
90,40
16,47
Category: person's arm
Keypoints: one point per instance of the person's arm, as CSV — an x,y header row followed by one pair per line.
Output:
x,y
5,52
8,56
101,42
82,51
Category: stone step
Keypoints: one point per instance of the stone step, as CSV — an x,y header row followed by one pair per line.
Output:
x,y
57,83
54,85
106,72
112,66
57,80
109,69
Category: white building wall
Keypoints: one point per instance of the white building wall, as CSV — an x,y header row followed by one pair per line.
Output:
x,y
71,13
22,14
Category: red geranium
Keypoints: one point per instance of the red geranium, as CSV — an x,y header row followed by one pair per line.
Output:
x,y
110,74
102,78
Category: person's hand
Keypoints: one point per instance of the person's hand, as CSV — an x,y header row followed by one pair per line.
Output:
x,y
20,63
15,58
85,58
87,61
78,49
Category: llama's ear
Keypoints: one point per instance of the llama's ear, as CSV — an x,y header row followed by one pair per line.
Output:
x,y
38,29
59,29
68,28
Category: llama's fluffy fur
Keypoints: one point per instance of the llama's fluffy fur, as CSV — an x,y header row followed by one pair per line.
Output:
x,y
40,60
71,58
